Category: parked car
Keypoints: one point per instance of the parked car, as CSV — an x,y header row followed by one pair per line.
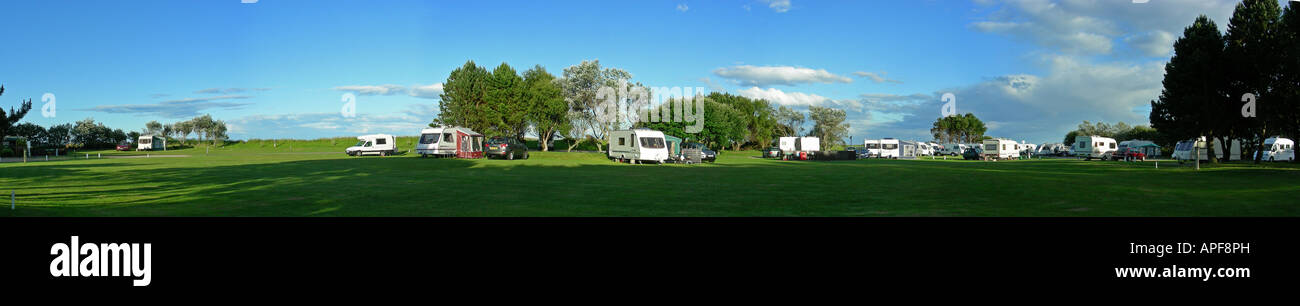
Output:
x,y
124,146
772,152
1132,153
709,155
972,154
505,147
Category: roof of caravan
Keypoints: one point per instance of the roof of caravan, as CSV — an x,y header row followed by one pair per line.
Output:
x,y
450,128
375,136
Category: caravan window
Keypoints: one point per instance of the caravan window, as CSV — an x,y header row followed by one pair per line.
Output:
x,y
446,137
991,147
890,146
428,138
622,141
652,142
1112,145
381,141
146,140
873,146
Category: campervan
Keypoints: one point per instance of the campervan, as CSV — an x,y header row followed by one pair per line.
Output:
x,y
998,148
953,149
872,146
889,148
1184,150
637,145
150,142
378,144
1278,148
450,142
1090,147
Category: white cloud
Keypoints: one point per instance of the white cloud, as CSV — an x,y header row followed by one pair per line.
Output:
x,y
783,98
178,108
431,91
877,78
1093,27
370,90
332,124
747,75
779,6
1154,43
681,7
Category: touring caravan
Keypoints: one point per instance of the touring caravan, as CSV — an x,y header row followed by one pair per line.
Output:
x,y
872,146
150,142
450,142
787,145
1278,148
378,144
1027,148
998,148
1057,149
1183,151
1090,147
809,144
889,148
637,145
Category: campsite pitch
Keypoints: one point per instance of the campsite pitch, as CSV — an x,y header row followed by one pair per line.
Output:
x,y
252,180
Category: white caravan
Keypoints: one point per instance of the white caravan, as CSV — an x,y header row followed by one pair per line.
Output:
x,y
809,144
788,145
637,145
872,146
150,142
924,149
1001,149
449,142
889,148
1090,147
1278,148
1183,151
1058,149
378,144
1027,148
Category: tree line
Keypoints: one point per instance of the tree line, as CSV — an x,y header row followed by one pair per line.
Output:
x,y
959,129
1240,85
501,102
1120,132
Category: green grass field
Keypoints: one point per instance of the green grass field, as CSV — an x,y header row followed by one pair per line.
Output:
x,y
316,179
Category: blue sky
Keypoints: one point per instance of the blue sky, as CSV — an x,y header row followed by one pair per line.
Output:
x,y
277,69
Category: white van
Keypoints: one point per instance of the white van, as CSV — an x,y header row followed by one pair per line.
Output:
x,y
378,144
1184,149
150,142
889,148
953,149
872,146
998,148
637,145
1278,148
1090,147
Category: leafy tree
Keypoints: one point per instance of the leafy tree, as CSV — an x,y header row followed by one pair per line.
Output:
x,y
829,125
582,84
1287,89
507,111
790,121
464,98
7,120
1194,86
953,129
1251,53
153,128
35,134
59,135
547,110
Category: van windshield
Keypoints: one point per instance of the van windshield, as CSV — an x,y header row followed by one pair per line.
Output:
x,y
429,138
360,143
652,143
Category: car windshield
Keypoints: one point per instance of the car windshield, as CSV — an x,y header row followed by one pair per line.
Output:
x,y
652,142
429,138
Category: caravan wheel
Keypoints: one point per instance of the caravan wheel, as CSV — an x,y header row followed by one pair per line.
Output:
x,y
510,156
525,155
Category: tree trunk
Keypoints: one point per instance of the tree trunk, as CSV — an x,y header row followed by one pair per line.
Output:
x,y
573,144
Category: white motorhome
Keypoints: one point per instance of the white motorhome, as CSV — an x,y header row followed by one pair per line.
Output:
x,y
1276,149
377,144
150,142
1001,149
1183,151
872,146
1090,147
637,145
889,148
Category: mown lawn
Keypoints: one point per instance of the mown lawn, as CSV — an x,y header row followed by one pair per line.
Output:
x,y
253,180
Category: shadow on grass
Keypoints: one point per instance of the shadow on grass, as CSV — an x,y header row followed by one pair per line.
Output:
x,y
410,186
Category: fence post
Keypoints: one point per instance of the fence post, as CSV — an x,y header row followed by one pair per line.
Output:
x,y
11,200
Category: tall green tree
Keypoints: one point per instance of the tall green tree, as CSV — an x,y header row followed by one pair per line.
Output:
x,y
1287,88
790,120
958,129
1252,51
1192,101
464,98
582,85
547,110
829,125
507,112
8,120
